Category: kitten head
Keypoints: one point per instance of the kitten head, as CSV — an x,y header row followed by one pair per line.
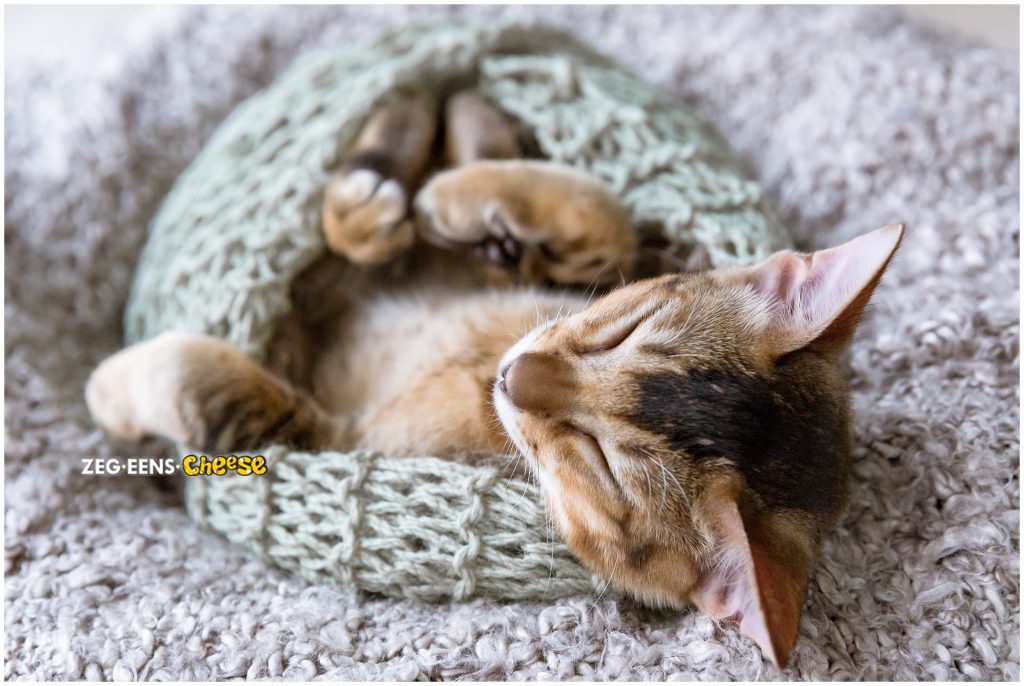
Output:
x,y
690,433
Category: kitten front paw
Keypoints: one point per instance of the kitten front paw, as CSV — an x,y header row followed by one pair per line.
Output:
x,y
364,216
538,220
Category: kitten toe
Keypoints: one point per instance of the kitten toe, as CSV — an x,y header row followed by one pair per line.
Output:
x,y
500,252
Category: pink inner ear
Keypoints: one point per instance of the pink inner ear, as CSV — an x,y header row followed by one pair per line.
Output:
x,y
730,594
730,590
814,290
754,585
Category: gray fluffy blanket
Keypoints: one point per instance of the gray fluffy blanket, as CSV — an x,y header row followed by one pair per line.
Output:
x,y
852,117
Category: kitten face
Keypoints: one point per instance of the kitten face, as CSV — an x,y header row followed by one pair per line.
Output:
x,y
690,433
632,408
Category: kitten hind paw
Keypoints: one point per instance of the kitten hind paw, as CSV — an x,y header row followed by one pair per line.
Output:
x,y
364,216
535,220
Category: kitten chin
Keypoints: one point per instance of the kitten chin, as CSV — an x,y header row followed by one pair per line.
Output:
x,y
691,434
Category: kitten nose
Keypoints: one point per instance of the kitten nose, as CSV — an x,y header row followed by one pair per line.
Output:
x,y
539,382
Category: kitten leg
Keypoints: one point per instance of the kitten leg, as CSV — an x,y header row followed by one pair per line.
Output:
x,y
475,130
540,220
366,203
204,393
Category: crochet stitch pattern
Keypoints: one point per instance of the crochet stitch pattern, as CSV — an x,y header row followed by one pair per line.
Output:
x,y
422,528
244,220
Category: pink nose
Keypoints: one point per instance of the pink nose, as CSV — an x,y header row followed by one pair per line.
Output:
x,y
539,382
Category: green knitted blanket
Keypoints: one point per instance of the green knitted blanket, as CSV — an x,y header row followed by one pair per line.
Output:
x,y
243,220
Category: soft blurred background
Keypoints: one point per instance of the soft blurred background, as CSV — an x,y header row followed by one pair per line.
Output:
x,y
36,33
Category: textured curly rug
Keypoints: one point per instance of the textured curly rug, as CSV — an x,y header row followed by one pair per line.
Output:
x,y
852,117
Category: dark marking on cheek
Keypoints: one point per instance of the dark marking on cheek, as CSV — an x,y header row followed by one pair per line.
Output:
x,y
636,554
786,437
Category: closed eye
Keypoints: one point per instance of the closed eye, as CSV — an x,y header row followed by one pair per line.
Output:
x,y
615,335
594,447
611,339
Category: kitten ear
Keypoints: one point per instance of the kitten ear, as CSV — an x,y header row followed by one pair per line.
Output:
x,y
758,580
820,296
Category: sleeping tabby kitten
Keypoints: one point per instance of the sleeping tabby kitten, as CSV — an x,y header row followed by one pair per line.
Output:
x,y
690,432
